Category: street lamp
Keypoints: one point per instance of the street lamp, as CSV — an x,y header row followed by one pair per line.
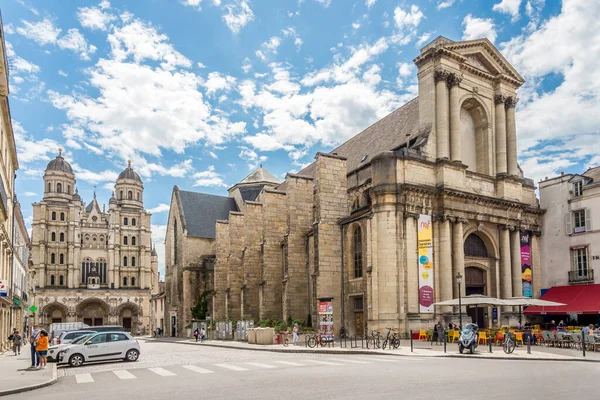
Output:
x,y
459,281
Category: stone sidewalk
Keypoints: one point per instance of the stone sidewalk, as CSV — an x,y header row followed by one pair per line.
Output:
x,y
420,349
16,376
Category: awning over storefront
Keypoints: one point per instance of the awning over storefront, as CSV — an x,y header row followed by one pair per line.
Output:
x,y
584,299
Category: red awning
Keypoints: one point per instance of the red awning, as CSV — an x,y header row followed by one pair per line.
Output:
x,y
583,299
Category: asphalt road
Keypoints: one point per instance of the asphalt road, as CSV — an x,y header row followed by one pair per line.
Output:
x,y
177,371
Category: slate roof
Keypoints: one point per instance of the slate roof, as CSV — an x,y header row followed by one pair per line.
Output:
x,y
260,175
59,164
93,204
389,133
199,212
129,173
250,193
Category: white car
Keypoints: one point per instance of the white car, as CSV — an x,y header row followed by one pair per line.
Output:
x,y
101,346
53,351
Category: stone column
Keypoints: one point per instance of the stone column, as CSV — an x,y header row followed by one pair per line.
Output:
x,y
536,267
515,251
454,83
445,261
458,254
511,136
412,264
441,112
501,167
505,265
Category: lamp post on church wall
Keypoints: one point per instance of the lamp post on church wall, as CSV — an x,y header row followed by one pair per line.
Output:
x,y
459,281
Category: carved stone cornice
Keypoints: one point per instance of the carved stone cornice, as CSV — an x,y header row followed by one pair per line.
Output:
x,y
499,99
411,215
440,75
511,102
454,79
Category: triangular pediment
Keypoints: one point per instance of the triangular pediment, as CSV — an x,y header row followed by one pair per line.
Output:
x,y
484,56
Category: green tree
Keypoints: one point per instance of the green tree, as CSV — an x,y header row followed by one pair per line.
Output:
x,y
201,308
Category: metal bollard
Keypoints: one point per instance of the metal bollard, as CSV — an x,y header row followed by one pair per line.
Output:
x,y
583,342
529,344
445,344
411,341
490,343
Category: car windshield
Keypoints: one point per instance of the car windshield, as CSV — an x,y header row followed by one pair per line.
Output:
x,y
81,338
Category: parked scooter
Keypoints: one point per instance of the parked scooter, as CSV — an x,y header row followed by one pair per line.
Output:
x,y
468,338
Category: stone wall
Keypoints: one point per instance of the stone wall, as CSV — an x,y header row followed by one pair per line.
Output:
x,y
220,275
234,265
253,238
331,204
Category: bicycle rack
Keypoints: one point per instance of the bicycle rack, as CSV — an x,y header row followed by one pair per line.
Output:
x,y
344,343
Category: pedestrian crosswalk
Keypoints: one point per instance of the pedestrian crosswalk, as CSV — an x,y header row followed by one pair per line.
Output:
x,y
237,367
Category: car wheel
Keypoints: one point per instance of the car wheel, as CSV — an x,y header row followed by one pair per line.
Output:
x,y
76,360
132,355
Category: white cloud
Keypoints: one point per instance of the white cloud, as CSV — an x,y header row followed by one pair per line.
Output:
x,y
370,3
192,3
92,177
75,41
143,42
477,28
251,157
564,46
355,25
43,32
31,149
213,155
238,15
445,4
21,70
29,194
200,65
218,82
272,44
94,18
159,233
209,178
423,39
162,207
510,7
29,7
247,65
291,32
406,24
62,73
166,108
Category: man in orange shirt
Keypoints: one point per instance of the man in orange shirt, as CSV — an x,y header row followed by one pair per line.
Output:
x,y
42,348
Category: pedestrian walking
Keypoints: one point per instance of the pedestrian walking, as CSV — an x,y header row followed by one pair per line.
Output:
x,y
295,335
196,334
42,349
16,339
202,335
35,334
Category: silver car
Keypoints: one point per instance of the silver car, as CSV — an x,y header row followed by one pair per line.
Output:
x,y
54,350
100,346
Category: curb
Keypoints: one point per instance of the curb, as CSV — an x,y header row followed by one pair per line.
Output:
x,y
49,382
361,352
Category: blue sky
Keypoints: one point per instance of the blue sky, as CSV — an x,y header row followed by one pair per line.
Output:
x,y
199,92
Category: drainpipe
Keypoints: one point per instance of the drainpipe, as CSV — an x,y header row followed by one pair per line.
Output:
x,y
343,275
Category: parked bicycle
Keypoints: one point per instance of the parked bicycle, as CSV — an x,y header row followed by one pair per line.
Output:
x,y
392,339
316,339
375,339
509,342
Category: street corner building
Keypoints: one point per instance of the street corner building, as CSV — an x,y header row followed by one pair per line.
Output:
x,y
92,265
374,232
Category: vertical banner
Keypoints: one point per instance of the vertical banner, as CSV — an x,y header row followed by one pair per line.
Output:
x,y
425,247
326,319
526,263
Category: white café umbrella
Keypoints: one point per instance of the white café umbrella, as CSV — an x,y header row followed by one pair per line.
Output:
x,y
529,301
473,300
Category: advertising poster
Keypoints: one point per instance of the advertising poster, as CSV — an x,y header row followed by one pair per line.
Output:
x,y
326,319
3,288
526,263
425,254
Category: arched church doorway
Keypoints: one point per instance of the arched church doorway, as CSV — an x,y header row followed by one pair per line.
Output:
x,y
129,316
475,283
54,313
93,312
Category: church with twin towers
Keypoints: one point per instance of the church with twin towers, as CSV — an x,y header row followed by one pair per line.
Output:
x,y
92,264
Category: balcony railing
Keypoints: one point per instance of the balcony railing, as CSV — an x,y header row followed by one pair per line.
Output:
x,y
581,276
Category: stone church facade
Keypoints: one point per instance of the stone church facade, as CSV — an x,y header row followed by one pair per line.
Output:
x,y
344,231
92,265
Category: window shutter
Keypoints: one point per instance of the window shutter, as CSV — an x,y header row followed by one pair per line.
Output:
x,y
588,220
568,225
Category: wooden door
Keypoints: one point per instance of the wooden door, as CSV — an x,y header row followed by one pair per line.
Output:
x,y
358,323
127,324
97,321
